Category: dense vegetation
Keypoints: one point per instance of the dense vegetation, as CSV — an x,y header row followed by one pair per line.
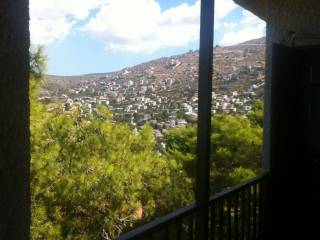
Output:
x,y
235,150
92,178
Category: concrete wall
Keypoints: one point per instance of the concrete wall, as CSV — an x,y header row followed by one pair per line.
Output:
x,y
14,120
291,23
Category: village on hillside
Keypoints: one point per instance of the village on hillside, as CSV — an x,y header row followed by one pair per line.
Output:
x,y
164,92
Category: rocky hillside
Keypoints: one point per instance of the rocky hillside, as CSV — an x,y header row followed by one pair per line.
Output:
x,y
235,68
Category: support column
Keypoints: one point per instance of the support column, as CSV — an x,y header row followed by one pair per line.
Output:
x,y
204,116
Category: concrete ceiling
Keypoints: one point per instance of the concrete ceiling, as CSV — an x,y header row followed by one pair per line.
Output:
x,y
258,7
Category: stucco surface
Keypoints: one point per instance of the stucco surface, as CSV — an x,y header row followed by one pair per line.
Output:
x,y
291,23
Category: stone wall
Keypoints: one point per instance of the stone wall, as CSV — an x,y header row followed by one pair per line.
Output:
x,y
14,120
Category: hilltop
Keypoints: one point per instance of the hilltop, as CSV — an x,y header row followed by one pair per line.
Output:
x,y
227,60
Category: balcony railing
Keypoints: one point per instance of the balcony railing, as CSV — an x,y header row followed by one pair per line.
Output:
x,y
237,213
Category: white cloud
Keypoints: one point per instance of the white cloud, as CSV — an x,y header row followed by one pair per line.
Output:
x,y
223,8
52,20
243,35
249,27
229,25
123,25
143,27
250,19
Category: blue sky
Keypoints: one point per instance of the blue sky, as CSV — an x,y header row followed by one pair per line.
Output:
x,y
90,36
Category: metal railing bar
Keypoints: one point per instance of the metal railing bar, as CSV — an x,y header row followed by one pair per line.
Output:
x,y
249,213
221,218
229,229
243,215
237,188
191,225
261,203
236,216
158,223
179,229
243,218
166,233
212,221
255,211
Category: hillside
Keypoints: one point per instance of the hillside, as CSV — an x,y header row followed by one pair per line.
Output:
x,y
227,60
164,91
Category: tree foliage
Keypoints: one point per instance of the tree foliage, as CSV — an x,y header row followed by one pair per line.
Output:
x,y
235,150
256,115
92,178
